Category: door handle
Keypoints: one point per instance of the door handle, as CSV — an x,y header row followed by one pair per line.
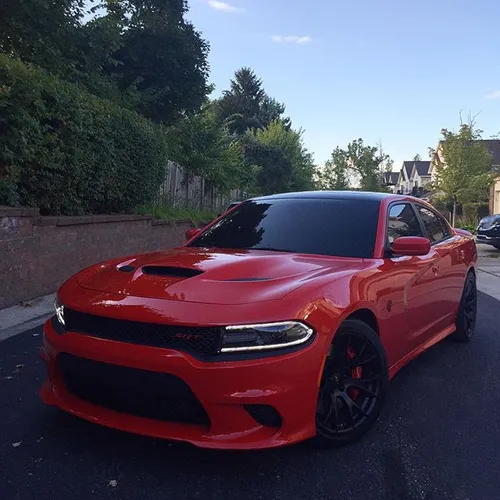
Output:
x,y
435,268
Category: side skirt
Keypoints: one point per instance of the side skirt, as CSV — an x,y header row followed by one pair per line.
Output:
x,y
420,349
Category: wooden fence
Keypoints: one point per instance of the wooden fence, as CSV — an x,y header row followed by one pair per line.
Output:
x,y
185,190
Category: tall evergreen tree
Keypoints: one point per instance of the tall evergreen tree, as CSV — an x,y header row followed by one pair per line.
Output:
x,y
246,105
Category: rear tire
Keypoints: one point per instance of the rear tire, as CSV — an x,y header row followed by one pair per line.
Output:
x,y
353,387
467,311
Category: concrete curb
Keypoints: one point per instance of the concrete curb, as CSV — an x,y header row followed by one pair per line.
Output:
x,y
31,314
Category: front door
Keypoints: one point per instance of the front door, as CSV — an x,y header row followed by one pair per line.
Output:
x,y
452,266
415,277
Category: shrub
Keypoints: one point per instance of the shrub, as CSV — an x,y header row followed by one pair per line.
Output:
x,y
69,152
473,212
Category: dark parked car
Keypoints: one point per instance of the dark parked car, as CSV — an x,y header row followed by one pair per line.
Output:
x,y
488,231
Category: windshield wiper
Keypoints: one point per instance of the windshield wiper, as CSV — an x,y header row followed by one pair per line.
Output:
x,y
271,249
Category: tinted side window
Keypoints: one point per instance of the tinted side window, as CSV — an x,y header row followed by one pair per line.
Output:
x,y
402,222
436,228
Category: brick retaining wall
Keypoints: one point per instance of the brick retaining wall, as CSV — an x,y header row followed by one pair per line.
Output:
x,y
38,253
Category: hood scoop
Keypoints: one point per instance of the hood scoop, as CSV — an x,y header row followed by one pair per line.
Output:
x,y
126,269
171,272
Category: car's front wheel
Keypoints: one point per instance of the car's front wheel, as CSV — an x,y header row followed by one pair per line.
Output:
x,y
353,385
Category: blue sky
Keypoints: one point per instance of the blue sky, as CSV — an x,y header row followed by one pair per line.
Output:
x,y
395,71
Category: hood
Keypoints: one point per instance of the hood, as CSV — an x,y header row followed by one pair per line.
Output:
x,y
211,277
487,222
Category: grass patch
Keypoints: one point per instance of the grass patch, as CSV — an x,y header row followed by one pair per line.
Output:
x,y
174,214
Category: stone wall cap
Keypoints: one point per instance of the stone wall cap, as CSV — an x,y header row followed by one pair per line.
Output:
x,y
65,220
18,211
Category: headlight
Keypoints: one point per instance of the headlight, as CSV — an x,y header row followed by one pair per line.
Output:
x,y
59,311
264,336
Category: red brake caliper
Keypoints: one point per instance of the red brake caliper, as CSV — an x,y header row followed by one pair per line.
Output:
x,y
355,372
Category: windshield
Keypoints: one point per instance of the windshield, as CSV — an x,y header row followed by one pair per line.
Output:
x,y
343,228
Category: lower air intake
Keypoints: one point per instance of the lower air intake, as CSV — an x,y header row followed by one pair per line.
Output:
x,y
158,396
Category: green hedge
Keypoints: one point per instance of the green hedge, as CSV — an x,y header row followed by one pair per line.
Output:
x,y
68,152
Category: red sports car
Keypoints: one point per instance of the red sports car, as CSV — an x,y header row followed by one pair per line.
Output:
x,y
281,321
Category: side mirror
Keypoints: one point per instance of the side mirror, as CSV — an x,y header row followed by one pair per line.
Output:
x,y
411,245
191,233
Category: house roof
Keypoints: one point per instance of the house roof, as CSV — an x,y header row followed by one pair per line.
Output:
x,y
493,147
407,167
391,177
422,167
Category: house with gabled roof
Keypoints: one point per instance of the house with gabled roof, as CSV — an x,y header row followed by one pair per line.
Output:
x,y
404,183
390,180
413,177
420,173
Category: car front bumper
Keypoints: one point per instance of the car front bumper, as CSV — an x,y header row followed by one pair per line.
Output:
x,y
488,239
288,383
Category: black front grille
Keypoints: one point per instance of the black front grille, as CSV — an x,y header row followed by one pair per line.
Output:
x,y
197,341
159,396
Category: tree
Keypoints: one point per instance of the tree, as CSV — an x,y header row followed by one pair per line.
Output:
x,y
41,32
367,162
206,149
464,171
335,173
273,170
417,157
163,58
142,54
246,106
277,135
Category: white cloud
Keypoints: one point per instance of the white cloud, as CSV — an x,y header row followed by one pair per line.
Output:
x,y
300,40
224,7
494,95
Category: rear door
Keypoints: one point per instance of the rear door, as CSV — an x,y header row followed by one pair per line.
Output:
x,y
416,277
450,264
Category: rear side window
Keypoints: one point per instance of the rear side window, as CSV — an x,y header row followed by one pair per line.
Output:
x,y
436,227
403,221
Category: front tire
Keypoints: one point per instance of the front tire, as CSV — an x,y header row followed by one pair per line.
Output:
x,y
353,386
467,311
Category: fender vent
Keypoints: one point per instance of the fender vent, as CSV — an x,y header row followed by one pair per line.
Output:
x,y
178,272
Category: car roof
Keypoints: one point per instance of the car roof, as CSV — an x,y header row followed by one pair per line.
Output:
x,y
333,195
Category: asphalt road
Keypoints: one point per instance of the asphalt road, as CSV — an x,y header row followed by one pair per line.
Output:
x,y
438,438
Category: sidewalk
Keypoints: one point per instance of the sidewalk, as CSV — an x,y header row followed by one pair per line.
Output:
x,y
488,280
31,314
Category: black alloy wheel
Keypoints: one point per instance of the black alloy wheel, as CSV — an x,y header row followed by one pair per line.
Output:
x,y
353,386
467,311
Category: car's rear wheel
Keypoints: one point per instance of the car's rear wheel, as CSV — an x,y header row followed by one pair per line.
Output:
x,y
467,311
353,385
